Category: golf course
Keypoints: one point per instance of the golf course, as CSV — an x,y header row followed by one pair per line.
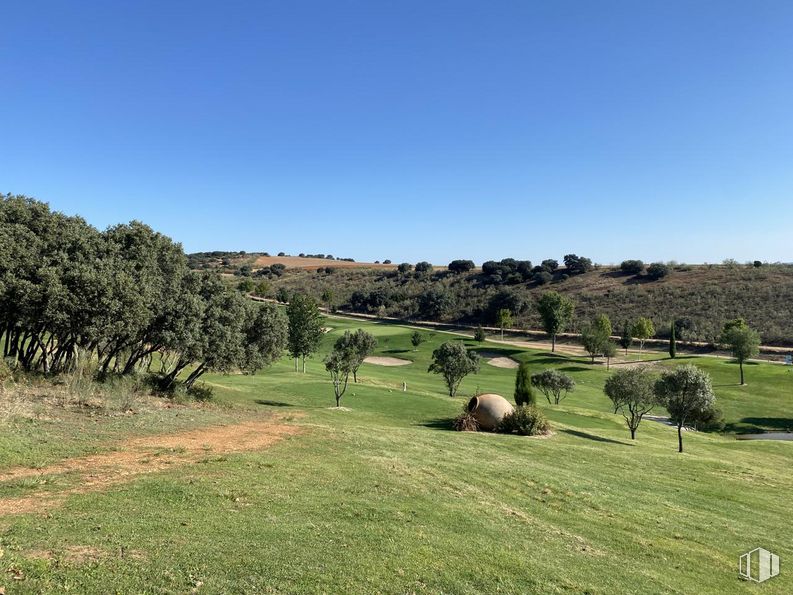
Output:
x,y
267,487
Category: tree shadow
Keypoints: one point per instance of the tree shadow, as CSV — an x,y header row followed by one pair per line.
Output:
x,y
272,403
573,369
396,351
580,434
760,424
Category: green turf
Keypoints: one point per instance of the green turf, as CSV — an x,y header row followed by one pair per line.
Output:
x,y
385,498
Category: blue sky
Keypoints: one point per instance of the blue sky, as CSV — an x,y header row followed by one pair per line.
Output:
x,y
411,130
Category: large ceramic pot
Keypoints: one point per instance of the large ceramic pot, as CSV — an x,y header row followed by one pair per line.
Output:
x,y
489,410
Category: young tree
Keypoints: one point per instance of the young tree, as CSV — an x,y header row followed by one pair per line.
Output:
x,y
744,342
416,339
643,329
454,363
553,384
327,299
305,327
597,336
363,345
524,392
556,311
504,320
687,394
626,340
672,342
339,364
609,351
479,334
632,392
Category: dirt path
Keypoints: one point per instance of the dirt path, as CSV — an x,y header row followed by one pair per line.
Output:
x,y
139,456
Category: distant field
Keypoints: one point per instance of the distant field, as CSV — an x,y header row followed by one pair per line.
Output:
x,y
296,262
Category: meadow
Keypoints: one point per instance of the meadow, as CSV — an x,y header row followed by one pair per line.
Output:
x,y
381,496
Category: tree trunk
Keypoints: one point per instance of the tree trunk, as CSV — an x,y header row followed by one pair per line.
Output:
x,y
553,343
296,363
740,365
680,437
338,398
633,433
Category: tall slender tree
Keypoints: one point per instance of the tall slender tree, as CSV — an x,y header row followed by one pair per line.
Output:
x,y
672,342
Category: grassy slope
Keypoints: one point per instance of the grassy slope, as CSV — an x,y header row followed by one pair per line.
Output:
x,y
383,498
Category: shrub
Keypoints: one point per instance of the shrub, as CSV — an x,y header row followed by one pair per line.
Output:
x,y
542,278
465,422
632,267
526,420
657,270
479,334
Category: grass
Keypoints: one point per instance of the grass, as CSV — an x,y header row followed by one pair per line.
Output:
x,y
385,498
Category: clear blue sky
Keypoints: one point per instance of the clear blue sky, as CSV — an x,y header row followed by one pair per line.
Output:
x,y
413,129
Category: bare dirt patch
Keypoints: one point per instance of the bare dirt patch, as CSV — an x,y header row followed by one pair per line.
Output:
x,y
140,456
386,361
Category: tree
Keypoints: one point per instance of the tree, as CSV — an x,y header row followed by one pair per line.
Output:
x,y
356,347
305,327
672,342
262,289
553,384
423,268
282,295
577,265
743,341
461,266
246,286
504,320
454,362
404,267
632,392
687,394
479,334
657,270
416,339
524,392
550,265
626,340
556,311
643,329
596,336
327,299
632,267
339,364
609,351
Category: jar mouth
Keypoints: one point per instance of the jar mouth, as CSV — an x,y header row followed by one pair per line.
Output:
x,y
473,403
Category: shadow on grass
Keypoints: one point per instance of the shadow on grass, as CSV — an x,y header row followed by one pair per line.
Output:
x,y
573,369
594,437
396,351
272,403
441,423
759,424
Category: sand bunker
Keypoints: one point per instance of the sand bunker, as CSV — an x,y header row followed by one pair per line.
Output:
x,y
503,362
387,361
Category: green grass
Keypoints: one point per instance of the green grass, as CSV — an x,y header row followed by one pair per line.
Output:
x,y
384,498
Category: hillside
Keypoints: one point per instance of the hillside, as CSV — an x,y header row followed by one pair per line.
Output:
x,y
232,262
699,298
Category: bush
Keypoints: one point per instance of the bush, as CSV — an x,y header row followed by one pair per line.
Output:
x,y
657,270
525,420
632,267
465,422
542,278
479,334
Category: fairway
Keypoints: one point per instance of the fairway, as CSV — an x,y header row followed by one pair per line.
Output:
x,y
382,497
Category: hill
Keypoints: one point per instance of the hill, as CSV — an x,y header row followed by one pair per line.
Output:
x,y
234,262
697,298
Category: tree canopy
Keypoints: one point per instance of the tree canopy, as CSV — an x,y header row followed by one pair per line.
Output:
x,y
454,362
